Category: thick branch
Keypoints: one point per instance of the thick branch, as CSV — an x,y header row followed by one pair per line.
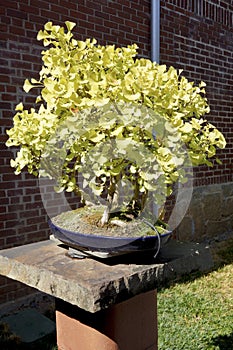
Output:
x,y
112,198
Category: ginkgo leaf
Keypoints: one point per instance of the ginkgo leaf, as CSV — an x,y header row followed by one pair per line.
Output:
x,y
19,107
70,25
48,26
186,128
41,35
27,86
132,97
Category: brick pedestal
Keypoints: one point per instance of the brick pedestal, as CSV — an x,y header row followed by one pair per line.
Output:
x,y
130,325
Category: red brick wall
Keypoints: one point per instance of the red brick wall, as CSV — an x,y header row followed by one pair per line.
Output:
x,y
195,36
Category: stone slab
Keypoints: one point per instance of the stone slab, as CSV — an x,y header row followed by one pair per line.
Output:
x,y
95,285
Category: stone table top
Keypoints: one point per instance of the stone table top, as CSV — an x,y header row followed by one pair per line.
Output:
x,y
92,284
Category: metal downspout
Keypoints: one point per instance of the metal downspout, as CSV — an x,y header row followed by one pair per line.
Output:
x,y
155,30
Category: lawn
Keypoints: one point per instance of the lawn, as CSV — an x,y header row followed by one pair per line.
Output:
x,y
197,314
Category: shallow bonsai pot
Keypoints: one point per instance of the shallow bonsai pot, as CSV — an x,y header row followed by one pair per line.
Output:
x,y
107,246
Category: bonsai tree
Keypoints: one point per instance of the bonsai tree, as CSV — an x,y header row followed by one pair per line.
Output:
x,y
111,123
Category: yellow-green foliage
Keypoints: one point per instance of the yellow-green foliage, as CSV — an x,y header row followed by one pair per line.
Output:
x,y
78,76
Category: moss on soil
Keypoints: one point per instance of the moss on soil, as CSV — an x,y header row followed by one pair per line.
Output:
x,y
86,220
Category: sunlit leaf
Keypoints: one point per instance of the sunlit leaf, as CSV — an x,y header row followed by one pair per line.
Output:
x,y
19,107
27,86
70,25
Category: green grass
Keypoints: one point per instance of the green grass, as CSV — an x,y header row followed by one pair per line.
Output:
x,y
198,314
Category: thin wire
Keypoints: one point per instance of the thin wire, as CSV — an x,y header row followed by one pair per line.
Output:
x,y
158,234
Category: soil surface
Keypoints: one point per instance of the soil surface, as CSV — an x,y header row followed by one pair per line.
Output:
x,y
86,220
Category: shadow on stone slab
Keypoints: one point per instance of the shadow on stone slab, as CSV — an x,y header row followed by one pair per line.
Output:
x,y
171,251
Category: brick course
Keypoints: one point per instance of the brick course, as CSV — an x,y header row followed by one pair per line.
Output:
x,y
196,36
